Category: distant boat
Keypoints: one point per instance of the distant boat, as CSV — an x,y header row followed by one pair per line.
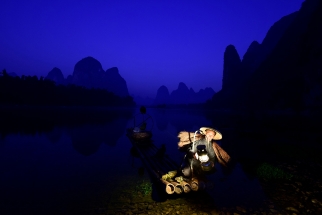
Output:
x,y
141,132
138,135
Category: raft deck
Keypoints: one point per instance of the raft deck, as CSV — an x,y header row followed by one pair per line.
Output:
x,y
161,167
156,165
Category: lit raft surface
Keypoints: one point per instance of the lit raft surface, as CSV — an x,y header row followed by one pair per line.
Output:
x,y
162,169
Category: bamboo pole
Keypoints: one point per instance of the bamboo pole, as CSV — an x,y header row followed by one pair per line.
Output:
x,y
145,159
178,188
197,184
163,168
156,165
150,156
165,160
160,166
161,162
194,184
169,187
150,168
186,186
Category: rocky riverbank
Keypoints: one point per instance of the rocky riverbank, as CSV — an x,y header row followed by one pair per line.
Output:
x,y
302,194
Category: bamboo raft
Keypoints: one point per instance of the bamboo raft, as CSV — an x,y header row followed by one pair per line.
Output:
x,y
163,170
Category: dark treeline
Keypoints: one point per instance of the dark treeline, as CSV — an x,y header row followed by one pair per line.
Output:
x,y
29,90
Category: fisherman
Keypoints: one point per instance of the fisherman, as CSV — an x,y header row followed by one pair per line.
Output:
x,y
202,151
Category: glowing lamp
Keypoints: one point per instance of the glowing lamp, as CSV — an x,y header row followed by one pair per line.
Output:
x,y
203,155
206,164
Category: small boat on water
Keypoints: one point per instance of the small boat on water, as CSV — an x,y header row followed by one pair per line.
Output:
x,y
141,132
139,136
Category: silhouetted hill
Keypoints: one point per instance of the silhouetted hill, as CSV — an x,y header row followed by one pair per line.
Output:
x,y
236,71
250,60
232,69
12,74
281,73
204,95
115,83
56,75
290,77
89,73
163,96
182,95
31,91
255,55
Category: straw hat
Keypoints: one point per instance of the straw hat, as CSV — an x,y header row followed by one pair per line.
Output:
x,y
217,136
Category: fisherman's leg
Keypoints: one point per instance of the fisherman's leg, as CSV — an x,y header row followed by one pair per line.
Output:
x,y
185,169
196,167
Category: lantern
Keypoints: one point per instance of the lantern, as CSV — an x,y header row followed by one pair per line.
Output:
x,y
206,164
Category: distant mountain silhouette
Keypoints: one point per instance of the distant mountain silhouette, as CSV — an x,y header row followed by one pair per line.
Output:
x,y
203,95
114,82
182,95
163,96
12,74
232,69
290,77
89,73
257,53
237,71
56,75
284,72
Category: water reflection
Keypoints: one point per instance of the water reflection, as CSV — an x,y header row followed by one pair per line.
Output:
x,y
82,164
86,139
181,120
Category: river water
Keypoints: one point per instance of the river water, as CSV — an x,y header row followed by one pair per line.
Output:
x,y
82,165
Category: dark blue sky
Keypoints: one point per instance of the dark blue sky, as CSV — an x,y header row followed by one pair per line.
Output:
x,y
152,42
